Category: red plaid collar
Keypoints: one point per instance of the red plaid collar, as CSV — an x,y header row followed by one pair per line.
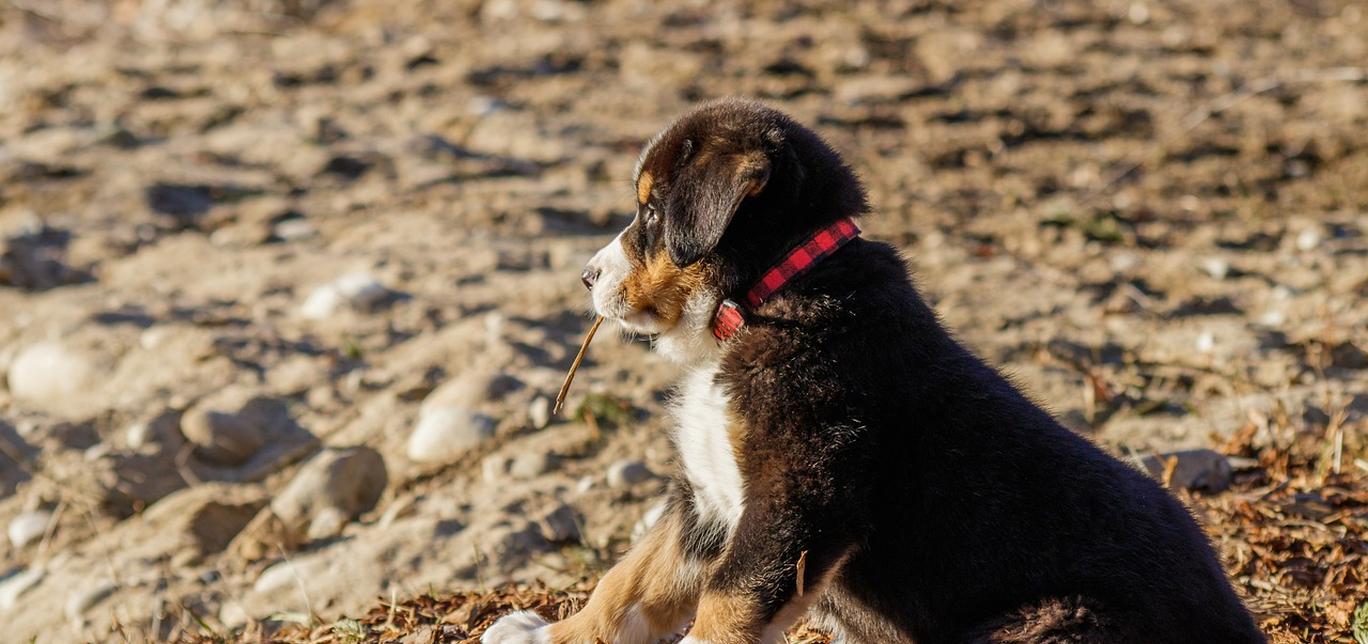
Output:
x,y
730,317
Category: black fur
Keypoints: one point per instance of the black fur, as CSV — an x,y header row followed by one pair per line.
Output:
x,y
958,509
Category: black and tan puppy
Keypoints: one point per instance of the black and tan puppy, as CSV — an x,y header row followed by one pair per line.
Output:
x,y
840,452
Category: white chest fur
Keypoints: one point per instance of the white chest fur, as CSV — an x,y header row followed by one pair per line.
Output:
x,y
705,447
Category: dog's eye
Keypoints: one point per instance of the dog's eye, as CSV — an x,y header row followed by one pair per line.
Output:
x,y
652,216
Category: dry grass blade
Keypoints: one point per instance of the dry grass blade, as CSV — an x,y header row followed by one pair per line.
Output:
x,y
574,366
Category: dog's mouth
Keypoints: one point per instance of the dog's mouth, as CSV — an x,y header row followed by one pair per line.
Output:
x,y
643,322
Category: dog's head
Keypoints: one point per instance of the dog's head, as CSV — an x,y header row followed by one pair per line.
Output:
x,y
720,194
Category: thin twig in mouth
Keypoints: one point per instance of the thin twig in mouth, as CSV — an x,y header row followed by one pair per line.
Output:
x,y
574,366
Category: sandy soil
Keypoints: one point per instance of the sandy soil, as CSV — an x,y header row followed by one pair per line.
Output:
x,y
238,237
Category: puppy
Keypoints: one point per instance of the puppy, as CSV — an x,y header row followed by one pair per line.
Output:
x,y
839,452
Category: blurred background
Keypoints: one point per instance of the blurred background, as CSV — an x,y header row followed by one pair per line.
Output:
x,y
286,285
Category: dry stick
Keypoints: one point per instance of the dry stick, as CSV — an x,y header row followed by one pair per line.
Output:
x,y
574,366
49,531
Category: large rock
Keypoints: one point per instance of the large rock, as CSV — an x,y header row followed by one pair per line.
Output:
x,y
12,446
228,428
333,488
1194,469
37,260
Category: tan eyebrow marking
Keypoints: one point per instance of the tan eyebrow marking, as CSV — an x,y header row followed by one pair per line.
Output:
x,y
644,187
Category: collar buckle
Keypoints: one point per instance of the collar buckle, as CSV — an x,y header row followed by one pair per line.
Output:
x,y
728,319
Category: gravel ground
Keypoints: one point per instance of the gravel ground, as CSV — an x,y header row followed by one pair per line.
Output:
x,y
286,285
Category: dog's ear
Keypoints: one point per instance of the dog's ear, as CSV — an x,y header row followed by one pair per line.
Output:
x,y
704,200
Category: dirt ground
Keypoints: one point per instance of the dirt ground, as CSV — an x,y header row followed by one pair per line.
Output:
x,y
286,285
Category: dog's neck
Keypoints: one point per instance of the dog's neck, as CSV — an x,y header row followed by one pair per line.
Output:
x,y
691,342
709,320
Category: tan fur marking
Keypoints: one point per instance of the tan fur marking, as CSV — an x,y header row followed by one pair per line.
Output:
x,y
727,619
644,187
655,578
660,287
737,433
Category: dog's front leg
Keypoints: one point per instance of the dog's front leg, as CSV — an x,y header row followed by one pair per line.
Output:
x,y
776,565
648,595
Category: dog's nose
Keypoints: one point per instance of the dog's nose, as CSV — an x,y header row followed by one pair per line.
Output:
x,y
589,276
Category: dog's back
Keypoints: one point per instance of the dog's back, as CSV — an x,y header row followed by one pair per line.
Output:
x,y
987,519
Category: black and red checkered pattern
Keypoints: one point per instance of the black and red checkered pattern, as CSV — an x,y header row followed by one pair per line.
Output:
x,y
729,317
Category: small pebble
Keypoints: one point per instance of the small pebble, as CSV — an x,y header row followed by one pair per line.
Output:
x,y
1308,239
28,527
82,600
585,484
1206,342
358,291
560,525
18,584
627,472
495,468
1216,267
539,412
532,465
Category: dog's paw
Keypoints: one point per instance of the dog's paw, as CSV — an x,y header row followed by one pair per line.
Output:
x,y
522,627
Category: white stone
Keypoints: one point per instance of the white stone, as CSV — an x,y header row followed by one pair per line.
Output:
x,y
585,484
291,573
138,434
154,338
1216,267
233,615
322,303
1206,342
358,291
48,372
445,433
275,577
539,412
1308,239
28,527
82,600
361,290
494,468
18,584
295,229
329,522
